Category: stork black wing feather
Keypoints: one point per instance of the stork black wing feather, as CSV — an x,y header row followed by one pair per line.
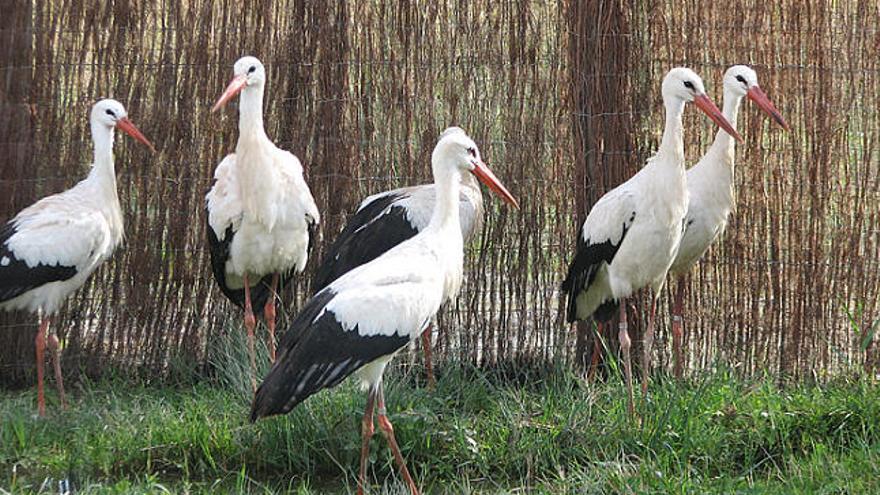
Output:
x,y
377,227
313,232
315,353
16,277
582,272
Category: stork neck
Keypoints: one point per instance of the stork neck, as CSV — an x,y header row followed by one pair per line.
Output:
x,y
723,140
469,181
672,143
257,172
103,169
250,110
447,180
470,188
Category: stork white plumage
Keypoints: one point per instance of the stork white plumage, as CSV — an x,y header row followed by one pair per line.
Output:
x,y
631,235
711,191
386,219
262,217
50,248
362,319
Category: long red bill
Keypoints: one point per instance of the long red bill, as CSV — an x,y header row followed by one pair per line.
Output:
x,y
757,95
235,86
705,104
482,172
127,127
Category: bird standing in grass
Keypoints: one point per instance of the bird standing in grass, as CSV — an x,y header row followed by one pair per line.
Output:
x,y
359,322
262,218
50,248
632,234
385,220
710,187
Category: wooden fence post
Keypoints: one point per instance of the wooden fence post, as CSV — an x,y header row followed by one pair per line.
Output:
x,y
599,57
17,330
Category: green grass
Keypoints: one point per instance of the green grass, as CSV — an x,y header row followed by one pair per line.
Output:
x,y
536,431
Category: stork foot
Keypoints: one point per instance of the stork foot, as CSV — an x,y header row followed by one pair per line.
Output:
x,y
269,314
250,323
388,432
56,362
429,365
40,345
646,350
597,350
367,430
677,332
625,345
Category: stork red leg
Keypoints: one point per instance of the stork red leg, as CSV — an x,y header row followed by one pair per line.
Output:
x,y
366,433
677,328
388,431
597,349
250,323
269,313
429,365
56,362
646,348
40,344
625,344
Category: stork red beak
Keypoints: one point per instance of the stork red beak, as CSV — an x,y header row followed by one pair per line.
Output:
x,y
482,172
757,95
127,127
705,104
235,86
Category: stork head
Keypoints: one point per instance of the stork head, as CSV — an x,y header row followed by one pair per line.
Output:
x,y
247,72
111,114
685,85
456,149
742,80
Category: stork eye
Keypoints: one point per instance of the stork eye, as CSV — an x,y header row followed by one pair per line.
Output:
x,y
110,113
252,69
472,152
741,79
689,85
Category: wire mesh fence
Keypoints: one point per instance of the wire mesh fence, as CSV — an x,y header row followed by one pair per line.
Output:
x,y
563,99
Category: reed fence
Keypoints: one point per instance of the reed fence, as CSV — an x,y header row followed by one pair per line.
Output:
x,y
563,99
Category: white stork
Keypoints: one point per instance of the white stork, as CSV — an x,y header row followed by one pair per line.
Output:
x,y
710,186
262,218
632,233
50,248
386,219
362,319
